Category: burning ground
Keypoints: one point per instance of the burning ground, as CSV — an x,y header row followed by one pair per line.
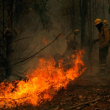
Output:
x,y
42,84
51,87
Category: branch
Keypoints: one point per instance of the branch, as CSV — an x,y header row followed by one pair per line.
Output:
x,y
20,72
17,75
2,57
39,50
2,47
20,39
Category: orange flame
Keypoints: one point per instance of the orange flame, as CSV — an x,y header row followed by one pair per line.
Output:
x,y
44,40
42,83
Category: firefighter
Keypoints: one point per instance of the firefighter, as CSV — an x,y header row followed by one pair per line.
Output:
x,y
103,43
71,41
105,22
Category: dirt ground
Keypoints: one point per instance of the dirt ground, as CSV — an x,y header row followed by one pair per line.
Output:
x,y
84,93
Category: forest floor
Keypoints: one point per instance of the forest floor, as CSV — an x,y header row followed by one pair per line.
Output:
x,y
84,93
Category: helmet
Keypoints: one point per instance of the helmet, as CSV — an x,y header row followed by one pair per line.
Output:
x,y
7,29
105,21
76,31
97,21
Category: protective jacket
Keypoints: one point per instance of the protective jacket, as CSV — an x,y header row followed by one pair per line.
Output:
x,y
71,42
104,37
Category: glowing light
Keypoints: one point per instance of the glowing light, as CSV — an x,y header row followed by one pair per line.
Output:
x,y
42,83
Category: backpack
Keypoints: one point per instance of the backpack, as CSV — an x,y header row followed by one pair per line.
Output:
x,y
106,26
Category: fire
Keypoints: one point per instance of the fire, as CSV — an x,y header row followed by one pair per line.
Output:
x,y
44,40
42,83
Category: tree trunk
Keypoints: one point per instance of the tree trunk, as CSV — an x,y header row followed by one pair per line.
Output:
x,y
73,16
8,37
90,27
103,11
83,14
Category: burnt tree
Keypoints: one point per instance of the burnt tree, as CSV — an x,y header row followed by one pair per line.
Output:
x,y
11,12
83,15
8,38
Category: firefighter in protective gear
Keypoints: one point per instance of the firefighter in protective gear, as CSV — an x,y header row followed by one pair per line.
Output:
x,y
71,41
105,22
103,43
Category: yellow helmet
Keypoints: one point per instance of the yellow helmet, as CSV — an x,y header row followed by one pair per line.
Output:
x,y
105,21
76,30
97,21
7,29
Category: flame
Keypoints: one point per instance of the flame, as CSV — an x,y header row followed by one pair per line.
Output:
x,y
42,83
44,40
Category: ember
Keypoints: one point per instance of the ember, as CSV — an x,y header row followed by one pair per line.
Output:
x,y
42,83
44,40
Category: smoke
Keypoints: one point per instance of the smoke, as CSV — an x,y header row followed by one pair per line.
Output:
x,y
30,27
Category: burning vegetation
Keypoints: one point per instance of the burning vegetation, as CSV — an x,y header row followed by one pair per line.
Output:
x,y
42,83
